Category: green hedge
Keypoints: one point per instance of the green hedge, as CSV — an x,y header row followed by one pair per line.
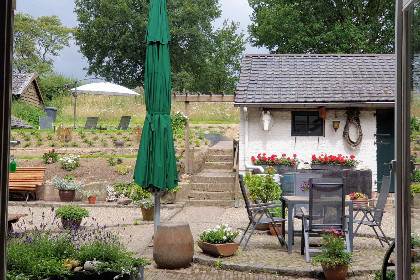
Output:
x,y
27,112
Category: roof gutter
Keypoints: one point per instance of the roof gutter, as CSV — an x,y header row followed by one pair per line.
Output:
x,y
316,105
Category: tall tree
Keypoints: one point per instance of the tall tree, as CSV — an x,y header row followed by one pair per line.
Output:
x,y
111,35
37,41
323,26
223,61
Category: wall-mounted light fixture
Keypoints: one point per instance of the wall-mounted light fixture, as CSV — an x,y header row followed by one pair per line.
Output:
x,y
266,120
336,122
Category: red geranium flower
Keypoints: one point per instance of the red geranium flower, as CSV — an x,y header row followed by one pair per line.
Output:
x,y
294,155
352,156
283,155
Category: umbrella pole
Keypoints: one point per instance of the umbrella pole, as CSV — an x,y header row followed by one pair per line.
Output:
x,y
157,210
75,100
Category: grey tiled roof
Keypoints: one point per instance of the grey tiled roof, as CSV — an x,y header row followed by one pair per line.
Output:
x,y
18,123
20,81
327,78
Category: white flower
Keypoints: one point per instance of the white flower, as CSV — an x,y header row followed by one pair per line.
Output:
x,y
224,237
217,227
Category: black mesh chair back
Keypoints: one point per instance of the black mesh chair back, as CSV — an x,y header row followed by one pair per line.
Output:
x,y
124,122
383,196
244,194
326,204
91,122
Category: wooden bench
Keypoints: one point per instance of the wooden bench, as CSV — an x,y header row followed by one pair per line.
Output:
x,y
26,179
13,218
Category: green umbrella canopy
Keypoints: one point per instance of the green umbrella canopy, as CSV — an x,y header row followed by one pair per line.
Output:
x,y
156,162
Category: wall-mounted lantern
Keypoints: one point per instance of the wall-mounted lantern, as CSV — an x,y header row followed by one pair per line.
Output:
x,y
266,120
336,122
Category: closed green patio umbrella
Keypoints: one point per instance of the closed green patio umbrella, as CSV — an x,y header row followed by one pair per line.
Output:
x,y
156,162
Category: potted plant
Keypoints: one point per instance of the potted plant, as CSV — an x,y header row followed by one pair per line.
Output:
x,y
333,162
169,196
71,216
283,163
333,259
263,188
360,199
66,187
147,207
219,242
50,157
415,195
91,195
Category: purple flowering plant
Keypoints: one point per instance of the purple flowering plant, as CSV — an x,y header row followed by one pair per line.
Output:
x,y
41,251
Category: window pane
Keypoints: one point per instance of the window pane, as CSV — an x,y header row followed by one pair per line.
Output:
x,y
300,129
307,123
301,119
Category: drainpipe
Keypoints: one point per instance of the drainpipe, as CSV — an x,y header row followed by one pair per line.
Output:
x,y
248,165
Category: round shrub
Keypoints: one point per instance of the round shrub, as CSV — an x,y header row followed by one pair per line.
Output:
x,y
72,212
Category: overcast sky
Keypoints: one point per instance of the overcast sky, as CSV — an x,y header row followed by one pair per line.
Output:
x,y
71,62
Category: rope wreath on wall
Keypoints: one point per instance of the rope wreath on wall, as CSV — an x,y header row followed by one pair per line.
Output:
x,y
353,118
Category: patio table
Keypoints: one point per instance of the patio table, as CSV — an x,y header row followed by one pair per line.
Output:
x,y
290,202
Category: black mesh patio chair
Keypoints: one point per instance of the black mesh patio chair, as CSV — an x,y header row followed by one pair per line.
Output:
x,y
259,214
91,122
326,211
372,216
124,123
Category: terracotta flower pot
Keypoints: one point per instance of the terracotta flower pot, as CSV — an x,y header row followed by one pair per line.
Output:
x,y
92,199
273,229
218,250
66,195
335,273
148,214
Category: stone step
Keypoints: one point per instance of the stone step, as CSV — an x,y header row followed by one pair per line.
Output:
x,y
214,176
223,203
218,165
220,158
221,152
213,187
199,195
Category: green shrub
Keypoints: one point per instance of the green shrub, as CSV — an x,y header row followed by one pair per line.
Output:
x,y
72,212
415,189
263,188
27,112
53,85
131,190
415,176
178,121
415,240
414,124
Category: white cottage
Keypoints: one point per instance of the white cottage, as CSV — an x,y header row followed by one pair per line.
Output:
x,y
304,94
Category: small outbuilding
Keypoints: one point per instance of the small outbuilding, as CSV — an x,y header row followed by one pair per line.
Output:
x,y
318,104
25,87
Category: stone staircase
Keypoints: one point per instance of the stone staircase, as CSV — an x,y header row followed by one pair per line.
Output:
x,y
215,184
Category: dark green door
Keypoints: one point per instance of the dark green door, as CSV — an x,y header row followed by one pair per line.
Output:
x,y
384,143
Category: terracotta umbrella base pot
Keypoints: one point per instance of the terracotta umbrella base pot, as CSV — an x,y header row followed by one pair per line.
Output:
x,y
173,246
335,273
66,196
218,250
148,214
273,229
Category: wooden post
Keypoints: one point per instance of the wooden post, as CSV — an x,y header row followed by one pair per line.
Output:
x,y
188,166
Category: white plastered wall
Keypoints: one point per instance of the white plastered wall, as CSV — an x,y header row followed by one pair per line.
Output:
x,y
279,140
